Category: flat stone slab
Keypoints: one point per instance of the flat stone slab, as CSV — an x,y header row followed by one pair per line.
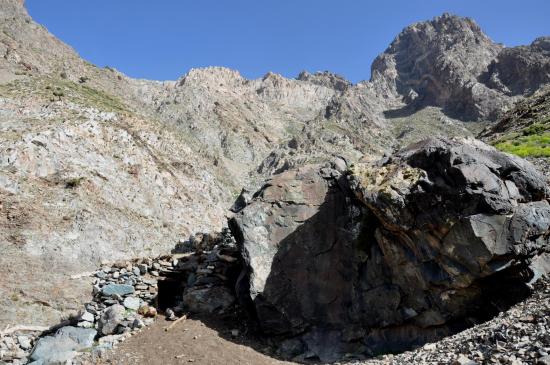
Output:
x,y
120,289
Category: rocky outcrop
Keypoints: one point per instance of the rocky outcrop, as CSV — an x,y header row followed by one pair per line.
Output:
x,y
520,70
450,63
396,253
327,79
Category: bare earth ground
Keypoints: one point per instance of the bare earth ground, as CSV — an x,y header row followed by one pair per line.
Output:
x,y
187,342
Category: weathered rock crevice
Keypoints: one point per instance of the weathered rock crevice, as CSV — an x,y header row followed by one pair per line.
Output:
x,y
391,254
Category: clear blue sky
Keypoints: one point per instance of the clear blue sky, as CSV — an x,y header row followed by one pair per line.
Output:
x,y
163,39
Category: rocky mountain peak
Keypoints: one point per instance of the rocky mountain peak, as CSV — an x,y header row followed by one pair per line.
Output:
x,y
445,36
325,78
454,47
439,63
542,43
213,76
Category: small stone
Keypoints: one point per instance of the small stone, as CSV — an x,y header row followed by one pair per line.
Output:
x,y
110,302
136,271
142,268
83,337
430,346
132,303
235,333
123,328
111,318
170,315
463,360
150,281
155,273
88,317
116,275
138,323
147,311
340,164
24,342
95,289
85,324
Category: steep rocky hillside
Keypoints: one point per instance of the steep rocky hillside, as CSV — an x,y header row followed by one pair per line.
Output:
x,y
96,166
524,130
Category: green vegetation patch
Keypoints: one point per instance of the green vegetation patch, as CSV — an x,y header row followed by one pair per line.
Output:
x,y
531,143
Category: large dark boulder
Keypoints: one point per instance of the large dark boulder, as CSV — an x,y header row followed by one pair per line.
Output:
x,y
393,253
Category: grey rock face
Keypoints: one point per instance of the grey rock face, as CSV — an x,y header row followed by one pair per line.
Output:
x,y
437,63
278,248
397,253
449,62
520,70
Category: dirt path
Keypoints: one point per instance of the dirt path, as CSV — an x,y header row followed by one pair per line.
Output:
x,y
188,342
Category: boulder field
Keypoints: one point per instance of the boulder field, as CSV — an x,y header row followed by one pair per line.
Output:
x,y
390,254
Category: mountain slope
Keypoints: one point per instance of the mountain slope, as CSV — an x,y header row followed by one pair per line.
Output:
x,y
524,130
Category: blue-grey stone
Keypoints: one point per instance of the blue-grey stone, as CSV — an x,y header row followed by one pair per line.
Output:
x,y
131,303
84,337
119,289
63,346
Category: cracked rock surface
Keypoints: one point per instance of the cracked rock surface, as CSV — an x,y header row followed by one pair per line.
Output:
x,y
396,253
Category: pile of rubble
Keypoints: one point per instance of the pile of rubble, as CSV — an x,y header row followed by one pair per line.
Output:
x,y
199,278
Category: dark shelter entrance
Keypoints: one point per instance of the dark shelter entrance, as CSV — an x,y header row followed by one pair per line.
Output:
x,y
170,291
